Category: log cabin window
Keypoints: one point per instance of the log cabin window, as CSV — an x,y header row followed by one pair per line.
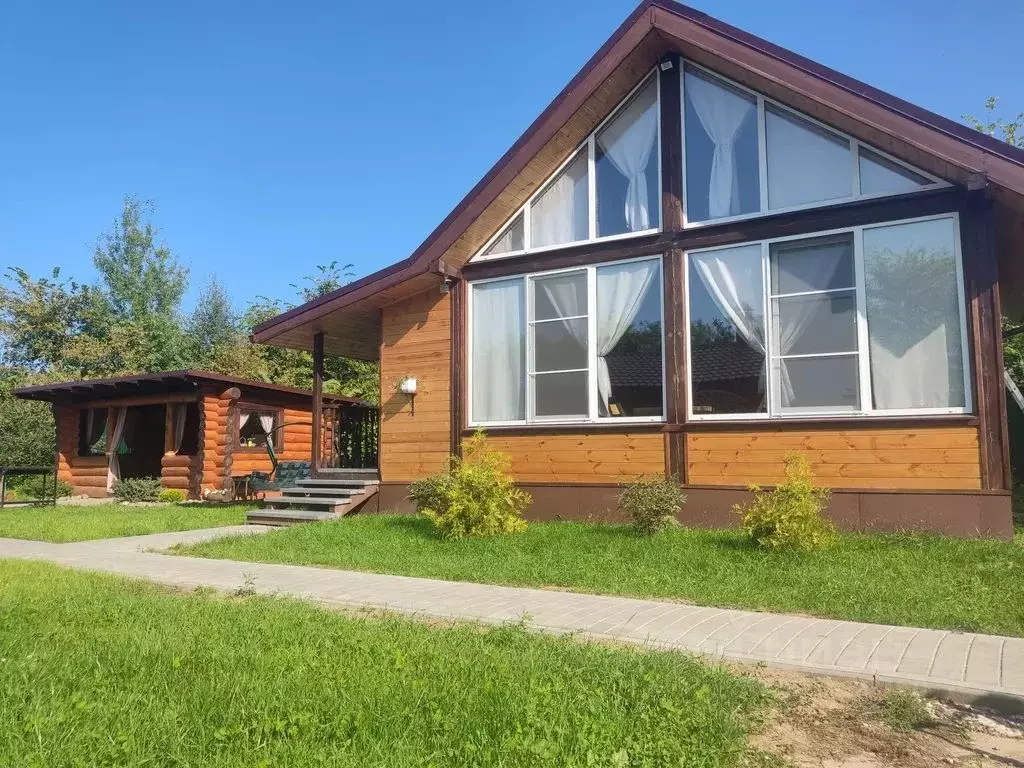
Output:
x,y
864,321
184,438
608,187
92,431
256,425
577,345
746,155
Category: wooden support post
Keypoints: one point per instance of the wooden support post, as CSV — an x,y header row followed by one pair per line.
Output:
x,y
318,400
56,452
456,298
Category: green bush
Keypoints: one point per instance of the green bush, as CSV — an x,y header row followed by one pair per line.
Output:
x,y
37,486
475,497
789,517
652,503
172,495
135,489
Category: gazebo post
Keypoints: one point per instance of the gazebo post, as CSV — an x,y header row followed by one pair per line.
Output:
x,y
318,400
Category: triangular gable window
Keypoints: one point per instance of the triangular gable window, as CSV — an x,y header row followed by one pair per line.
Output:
x,y
746,155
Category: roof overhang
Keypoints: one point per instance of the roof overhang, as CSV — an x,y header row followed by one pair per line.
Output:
x,y
159,384
349,316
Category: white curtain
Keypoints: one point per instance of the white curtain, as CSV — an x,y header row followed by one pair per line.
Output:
x,y
620,292
568,295
113,463
180,411
806,164
499,323
733,278
560,214
628,141
917,377
510,240
721,113
267,423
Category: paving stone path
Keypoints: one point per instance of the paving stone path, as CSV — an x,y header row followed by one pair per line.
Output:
x,y
957,663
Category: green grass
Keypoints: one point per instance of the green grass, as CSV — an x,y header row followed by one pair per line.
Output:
x,y
926,581
67,522
102,671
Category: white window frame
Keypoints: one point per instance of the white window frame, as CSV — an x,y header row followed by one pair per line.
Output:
x,y
592,416
762,156
590,146
863,346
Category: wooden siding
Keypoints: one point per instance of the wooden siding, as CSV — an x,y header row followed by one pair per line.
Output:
x,y
416,341
922,458
582,458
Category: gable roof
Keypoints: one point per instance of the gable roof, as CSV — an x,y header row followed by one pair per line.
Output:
x,y
656,27
170,382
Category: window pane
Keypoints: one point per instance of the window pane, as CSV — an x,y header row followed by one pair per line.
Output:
x,y
815,324
560,394
628,319
727,351
499,351
820,264
510,241
806,164
722,176
560,296
817,384
879,176
254,427
560,345
913,309
561,213
627,167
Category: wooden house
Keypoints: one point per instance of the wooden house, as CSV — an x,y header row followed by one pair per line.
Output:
x,y
809,265
194,430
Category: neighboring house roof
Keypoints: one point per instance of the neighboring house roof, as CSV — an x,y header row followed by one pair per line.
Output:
x,y
720,362
170,382
943,146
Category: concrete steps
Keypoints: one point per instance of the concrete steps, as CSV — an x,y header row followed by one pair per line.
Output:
x,y
317,499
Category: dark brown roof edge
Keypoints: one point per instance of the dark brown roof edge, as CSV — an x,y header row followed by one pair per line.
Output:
x,y
414,265
933,120
37,391
497,168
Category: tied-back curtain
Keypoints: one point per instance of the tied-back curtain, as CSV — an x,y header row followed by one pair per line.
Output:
x,y
499,351
180,410
267,423
721,113
733,278
620,292
96,425
113,463
559,215
628,141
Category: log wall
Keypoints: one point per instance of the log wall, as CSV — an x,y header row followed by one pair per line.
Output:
x,y
905,458
87,475
416,341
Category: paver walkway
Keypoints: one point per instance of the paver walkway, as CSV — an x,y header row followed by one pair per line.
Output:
x,y
950,662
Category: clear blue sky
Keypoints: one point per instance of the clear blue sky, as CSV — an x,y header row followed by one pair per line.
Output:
x,y
275,136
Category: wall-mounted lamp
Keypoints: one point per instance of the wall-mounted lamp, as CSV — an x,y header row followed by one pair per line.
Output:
x,y
446,285
666,65
407,386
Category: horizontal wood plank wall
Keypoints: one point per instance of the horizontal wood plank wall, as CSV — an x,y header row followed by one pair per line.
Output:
x,y
582,458
87,475
918,458
415,432
295,442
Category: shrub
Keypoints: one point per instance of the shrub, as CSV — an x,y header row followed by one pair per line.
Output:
x,y
475,497
135,489
652,503
789,518
38,486
172,495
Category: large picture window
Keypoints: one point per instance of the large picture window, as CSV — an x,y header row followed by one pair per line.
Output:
x,y
568,346
861,321
609,187
745,155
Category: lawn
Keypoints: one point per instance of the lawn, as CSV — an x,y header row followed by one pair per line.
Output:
x,y
926,581
99,670
67,522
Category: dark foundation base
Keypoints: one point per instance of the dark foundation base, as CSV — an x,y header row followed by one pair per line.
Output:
x,y
968,514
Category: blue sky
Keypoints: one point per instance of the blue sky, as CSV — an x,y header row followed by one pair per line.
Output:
x,y
276,136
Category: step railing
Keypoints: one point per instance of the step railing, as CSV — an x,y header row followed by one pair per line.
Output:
x,y
351,436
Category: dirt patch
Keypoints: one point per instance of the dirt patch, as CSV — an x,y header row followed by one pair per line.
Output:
x,y
839,723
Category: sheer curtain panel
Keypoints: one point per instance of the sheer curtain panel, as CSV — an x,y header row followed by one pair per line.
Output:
x,y
499,320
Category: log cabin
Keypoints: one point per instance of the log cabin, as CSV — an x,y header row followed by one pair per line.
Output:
x,y
192,429
707,253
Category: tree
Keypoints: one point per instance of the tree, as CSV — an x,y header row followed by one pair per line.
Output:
x,y
1012,131
329,277
26,426
140,278
212,324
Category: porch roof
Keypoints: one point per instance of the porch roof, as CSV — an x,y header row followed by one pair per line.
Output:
x,y
155,384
